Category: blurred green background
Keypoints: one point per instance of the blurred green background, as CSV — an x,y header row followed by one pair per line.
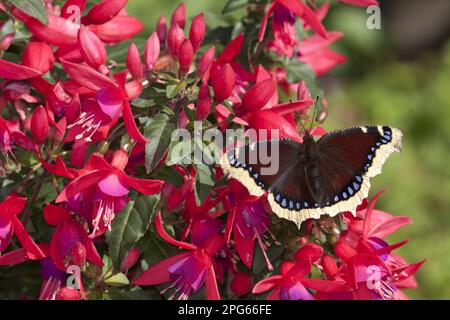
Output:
x,y
400,76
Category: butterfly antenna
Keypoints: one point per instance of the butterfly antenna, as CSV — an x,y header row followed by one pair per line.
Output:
x,y
313,119
301,123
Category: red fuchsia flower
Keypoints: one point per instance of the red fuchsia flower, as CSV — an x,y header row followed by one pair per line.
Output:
x,y
174,196
293,282
104,11
92,49
10,134
283,27
315,52
175,38
151,53
106,186
197,31
185,56
223,82
70,243
161,30
134,62
39,125
203,102
187,271
249,222
299,9
106,100
205,62
369,266
37,59
241,284
179,16
10,224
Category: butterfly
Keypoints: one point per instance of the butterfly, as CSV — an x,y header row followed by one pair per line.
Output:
x,y
315,178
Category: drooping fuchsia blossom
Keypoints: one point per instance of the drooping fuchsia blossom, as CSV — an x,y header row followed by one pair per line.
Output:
x,y
297,8
10,134
248,221
10,224
105,185
108,100
187,271
293,282
284,33
70,243
369,266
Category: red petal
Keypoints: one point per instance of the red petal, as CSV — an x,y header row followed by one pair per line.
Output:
x,y
244,247
26,240
130,125
118,29
104,11
86,76
14,71
13,257
166,237
158,273
368,216
38,56
231,50
59,31
267,284
326,285
257,97
81,183
289,107
12,205
262,28
144,186
54,215
211,289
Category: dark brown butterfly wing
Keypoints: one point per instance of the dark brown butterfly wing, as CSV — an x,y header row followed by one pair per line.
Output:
x,y
336,181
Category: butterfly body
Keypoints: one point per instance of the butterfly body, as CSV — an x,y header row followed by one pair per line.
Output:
x,y
314,178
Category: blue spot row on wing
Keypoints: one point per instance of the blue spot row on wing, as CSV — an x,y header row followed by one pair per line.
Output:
x,y
253,173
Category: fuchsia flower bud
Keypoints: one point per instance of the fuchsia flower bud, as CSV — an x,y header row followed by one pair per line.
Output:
x,y
78,254
134,62
179,16
223,83
151,53
161,30
39,125
197,31
185,56
175,38
130,259
203,102
5,42
105,11
91,47
38,56
303,91
205,62
241,284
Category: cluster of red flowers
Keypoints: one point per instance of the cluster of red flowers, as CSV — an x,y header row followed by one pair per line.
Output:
x,y
81,119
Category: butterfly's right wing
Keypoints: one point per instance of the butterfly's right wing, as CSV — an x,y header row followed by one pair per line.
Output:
x,y
289,195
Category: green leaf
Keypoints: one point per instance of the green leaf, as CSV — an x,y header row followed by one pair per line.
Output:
x,y
204,182
179,152
170,175
117,280
159,132
34,8
233,5
135,293
129,226
174,89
